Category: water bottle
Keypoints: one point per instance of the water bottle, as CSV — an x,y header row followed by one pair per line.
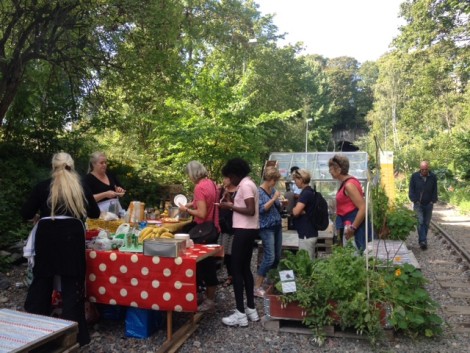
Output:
x,y
113,207
347,225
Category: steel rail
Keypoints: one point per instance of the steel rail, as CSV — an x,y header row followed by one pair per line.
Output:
x,y
465,254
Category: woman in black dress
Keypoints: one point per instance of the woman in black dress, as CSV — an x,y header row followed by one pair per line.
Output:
x,y
59,242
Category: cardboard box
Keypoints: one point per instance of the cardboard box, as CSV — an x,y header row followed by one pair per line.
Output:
x,y
164,247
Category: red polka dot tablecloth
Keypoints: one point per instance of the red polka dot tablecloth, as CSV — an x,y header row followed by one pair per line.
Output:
x,y
147,282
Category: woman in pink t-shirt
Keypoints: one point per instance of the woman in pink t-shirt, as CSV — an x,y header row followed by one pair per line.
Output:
x,y
203,209
245,230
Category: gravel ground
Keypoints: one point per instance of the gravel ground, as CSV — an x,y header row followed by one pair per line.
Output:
x,y
212,336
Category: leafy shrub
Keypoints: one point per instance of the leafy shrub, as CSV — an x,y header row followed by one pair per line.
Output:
x,y
401,221
19,173
340,289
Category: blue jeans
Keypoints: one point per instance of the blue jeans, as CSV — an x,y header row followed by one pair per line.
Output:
x,y
272,247
424,213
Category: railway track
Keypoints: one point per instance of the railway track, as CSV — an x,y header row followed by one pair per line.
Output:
x,y
447,266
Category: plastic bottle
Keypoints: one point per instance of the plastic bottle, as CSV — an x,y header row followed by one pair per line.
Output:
x,y
347,225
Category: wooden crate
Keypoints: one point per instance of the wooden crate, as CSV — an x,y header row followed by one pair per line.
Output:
x,y
325,241
24,332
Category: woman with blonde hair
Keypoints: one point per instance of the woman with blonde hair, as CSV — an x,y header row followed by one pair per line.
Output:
x,y
303,212
59,242
203,209
270,224
105,186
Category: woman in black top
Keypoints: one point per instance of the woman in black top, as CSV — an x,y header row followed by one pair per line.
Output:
x,y
303,213
104,185
63,204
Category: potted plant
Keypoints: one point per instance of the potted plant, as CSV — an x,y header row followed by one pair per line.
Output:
x,y
342,290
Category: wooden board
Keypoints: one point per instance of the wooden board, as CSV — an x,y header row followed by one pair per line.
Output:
x,y
457,309
293,326
24,332
460,295
449,284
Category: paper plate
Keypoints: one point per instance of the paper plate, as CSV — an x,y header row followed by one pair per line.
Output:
x,y
180,199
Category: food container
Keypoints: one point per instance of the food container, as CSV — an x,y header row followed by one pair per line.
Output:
x,y
164,247
184,237
136,211
173,212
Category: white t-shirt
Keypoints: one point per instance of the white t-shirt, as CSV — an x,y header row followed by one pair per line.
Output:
x,y
246,189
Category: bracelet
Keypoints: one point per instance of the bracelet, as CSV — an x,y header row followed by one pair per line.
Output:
x,y
352,227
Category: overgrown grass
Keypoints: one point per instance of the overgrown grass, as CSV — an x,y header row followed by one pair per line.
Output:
x,y
460,197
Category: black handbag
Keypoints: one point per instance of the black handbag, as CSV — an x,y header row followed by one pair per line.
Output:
x,y
204,233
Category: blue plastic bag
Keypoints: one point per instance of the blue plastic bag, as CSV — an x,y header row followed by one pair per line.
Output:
x,y
142,323
112,312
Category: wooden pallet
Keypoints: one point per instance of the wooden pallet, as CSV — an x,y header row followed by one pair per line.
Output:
x,y
288,317
24,332
325,244
296,326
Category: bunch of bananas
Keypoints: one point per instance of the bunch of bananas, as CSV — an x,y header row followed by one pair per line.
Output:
x,y
154,233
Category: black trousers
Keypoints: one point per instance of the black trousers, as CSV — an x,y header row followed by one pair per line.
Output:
x,y
242,251
38,301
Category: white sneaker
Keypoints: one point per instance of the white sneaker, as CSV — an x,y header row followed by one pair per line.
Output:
x,y
236,319
252,314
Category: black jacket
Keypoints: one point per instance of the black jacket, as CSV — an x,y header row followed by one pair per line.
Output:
x,y
423,190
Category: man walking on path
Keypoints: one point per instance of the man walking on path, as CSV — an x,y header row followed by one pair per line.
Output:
x,y
423,194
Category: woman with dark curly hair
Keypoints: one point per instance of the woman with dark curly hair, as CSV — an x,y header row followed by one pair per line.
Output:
x,y
245,230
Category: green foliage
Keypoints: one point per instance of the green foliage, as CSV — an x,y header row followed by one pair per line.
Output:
x,y
413,311
380,204
340,290
401,221
19,173
391,220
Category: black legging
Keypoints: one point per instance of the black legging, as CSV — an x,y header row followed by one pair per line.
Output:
x,y
38,301
242,251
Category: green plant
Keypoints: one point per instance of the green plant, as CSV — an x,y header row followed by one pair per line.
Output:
x,y
401,221
342,290
394,221
413,311
380,207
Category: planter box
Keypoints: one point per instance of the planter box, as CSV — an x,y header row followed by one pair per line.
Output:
x,y
275,309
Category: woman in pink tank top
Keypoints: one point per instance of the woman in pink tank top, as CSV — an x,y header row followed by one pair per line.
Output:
x,y
350,203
